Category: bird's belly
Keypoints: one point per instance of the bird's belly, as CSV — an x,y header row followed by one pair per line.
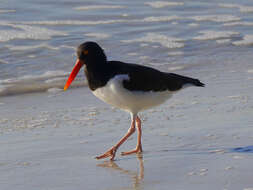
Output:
x,y
132,101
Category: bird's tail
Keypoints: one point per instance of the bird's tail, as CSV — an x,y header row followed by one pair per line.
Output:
x,y
187,81
196,82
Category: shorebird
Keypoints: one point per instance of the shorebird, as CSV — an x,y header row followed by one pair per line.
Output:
x,y
130,87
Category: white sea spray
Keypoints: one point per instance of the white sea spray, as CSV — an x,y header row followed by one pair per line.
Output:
x,y
247,40
242,8
28,32
162,4
212,35
94,7
163,40
216,18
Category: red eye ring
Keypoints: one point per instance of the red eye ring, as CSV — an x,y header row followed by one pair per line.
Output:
x,y
85,52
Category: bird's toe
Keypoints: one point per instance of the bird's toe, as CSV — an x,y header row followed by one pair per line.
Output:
x,y
110,153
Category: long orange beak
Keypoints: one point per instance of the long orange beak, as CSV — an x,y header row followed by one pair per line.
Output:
x,y
73,74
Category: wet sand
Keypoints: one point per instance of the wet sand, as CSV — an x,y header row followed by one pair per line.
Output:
x,y
202,138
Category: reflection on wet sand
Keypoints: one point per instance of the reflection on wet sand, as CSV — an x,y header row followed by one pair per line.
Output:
x,y
136,176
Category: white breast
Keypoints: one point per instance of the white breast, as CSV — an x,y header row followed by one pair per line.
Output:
x,y
132,101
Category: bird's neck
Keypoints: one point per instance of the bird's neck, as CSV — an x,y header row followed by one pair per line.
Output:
x,y
96,73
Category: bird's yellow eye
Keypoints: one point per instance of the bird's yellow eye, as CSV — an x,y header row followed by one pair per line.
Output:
x,y
85,52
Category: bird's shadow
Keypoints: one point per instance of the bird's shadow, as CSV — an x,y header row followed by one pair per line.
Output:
x,y
136,176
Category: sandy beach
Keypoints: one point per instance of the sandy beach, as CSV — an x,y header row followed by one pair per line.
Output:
x,y
200,139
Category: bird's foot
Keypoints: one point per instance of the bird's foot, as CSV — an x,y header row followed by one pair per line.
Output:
x,y
110,153
137,150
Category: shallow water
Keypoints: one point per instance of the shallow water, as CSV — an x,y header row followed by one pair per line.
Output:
x,y
38,39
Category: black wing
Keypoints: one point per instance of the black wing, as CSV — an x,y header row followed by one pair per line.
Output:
x,y
142,78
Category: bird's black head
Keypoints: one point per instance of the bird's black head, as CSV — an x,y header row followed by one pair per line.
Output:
x,y
91,53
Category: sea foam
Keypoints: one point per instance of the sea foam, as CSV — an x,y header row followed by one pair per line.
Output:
x,y
212,18
7,11
98,35
212,35
161,18
241,23
176,68
28,32
73,22
3,61
161,4
98,22
242,8
165,41
31,47
94,7
247,40
175,53
37,83
223,41
216,18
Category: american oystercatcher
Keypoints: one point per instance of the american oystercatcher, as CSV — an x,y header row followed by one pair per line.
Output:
x,y
130,87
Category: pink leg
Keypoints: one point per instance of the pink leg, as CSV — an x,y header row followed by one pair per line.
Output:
x,y
138,148
112,151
